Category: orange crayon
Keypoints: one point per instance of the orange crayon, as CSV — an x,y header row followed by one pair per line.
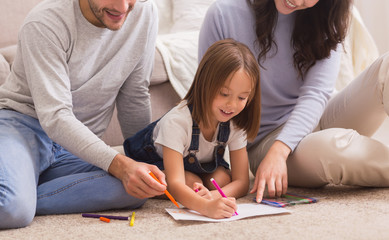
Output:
x,y
105,219
166,192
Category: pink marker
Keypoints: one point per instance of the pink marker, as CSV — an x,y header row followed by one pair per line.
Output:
x,y
219,189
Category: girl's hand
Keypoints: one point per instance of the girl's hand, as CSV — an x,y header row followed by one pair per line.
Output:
x,y
220,208
202,190
272,172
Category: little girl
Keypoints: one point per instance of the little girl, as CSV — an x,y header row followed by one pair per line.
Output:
x,y
221,108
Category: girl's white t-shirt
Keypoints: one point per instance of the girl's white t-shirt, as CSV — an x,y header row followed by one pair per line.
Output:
x,y
174,131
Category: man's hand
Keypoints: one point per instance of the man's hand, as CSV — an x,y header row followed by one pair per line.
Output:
x,y
135,177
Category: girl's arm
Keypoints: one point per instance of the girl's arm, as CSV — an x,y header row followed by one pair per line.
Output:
x,y
175,175
239,185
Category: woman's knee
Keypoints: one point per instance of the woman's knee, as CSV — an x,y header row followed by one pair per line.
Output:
x,y
383,79
308,165
335,156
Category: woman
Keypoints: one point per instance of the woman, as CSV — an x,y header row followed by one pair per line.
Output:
x,y
304,140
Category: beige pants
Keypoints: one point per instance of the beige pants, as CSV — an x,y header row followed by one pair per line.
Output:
x,y
341,150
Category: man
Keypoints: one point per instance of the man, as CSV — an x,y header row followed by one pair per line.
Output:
x,y
76,59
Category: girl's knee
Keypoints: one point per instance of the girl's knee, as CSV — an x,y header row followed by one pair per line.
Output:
x,y
191,178
221,175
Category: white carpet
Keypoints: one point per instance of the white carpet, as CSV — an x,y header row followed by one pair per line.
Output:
x,y
342,213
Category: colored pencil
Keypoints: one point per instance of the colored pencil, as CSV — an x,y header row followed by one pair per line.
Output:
x,y
88,215
166,192
219,189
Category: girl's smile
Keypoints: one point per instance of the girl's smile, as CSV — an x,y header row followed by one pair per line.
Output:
x,y
226,113
232,97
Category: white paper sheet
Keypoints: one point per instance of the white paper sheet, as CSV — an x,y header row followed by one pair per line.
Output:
x,y
244,211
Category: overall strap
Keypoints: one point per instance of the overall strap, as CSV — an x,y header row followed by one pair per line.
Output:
x,y
222,138
194,144
224,132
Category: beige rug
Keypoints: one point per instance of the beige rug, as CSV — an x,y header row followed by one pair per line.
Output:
x,y
342,213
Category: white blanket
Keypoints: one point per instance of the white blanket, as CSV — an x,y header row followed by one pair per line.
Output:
x,y
179,53
178,44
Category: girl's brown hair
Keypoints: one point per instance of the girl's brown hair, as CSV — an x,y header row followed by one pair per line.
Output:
x,y
219,63
317,30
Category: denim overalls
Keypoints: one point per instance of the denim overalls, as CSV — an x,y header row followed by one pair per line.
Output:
x,y
140,147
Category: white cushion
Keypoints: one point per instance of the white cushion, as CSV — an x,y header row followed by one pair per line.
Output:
x,y
164,15
360,51
159,74
188,14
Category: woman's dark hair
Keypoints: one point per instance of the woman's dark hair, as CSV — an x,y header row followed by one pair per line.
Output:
x,y
317,30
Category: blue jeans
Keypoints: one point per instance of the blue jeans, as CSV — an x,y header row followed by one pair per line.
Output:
x,y
38,176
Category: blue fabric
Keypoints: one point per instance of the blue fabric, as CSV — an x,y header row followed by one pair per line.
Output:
x,y
38,176
140,147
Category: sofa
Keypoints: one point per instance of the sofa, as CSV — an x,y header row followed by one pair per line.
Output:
x,y
176,60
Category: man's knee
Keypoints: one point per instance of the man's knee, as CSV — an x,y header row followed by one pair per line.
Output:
x,y
16,213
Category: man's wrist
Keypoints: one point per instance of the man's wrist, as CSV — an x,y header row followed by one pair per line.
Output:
x,y
117,165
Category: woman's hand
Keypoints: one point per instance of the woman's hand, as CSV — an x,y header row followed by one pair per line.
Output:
x,y
272,172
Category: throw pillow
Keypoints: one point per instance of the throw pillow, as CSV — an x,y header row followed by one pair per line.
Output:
x,y
188,15
165,12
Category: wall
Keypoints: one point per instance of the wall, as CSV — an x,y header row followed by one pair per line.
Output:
x,y
375,14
